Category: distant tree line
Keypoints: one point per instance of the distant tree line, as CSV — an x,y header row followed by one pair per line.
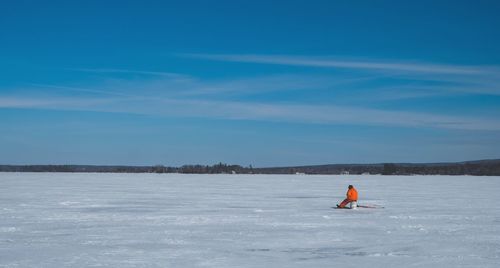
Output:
x,y
482,167
479,168
195,169
204,169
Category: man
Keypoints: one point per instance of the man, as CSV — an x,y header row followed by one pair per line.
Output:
x,y
352,196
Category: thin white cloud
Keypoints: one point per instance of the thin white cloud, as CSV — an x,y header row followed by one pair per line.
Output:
x,y
328,62
452,79
293,113
255,85
141,72
55,103
85,90
331,114
183,98
191,87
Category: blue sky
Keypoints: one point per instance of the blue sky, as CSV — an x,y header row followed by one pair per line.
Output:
x,y
266,83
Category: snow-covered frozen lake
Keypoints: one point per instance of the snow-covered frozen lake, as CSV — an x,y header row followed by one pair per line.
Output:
x,y
173,220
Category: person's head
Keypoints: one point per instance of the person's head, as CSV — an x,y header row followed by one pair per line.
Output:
x,y
350,186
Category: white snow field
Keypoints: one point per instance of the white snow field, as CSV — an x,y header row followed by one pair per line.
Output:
x,y
173,220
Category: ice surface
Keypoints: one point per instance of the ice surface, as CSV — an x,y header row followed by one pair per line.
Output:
x,y
173,220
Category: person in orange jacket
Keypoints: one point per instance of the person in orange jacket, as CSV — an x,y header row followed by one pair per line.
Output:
x,y
352,196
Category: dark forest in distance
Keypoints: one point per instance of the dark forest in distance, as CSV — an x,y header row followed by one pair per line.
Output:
x,y
480,167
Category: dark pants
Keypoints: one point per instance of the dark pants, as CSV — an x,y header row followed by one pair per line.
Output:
x,y
345,202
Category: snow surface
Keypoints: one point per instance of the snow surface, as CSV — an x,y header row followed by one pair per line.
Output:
x,y
173,220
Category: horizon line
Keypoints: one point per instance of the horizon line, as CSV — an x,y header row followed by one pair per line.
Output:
x,y
371,163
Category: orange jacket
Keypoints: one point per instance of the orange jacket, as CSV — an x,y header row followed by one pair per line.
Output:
x,y
352,194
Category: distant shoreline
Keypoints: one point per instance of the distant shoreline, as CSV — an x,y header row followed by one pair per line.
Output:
x,y
479,168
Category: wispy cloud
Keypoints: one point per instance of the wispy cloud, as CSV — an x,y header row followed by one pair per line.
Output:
x,y
125,71
403,75
53,103
188,96
85,90
331,114
231,110
329,62
190,87
271,83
